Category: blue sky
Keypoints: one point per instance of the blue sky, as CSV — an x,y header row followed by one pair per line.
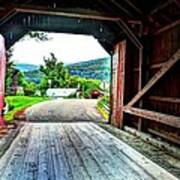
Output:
x,y
68,48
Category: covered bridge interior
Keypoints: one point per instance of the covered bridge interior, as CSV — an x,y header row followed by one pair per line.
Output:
x,y
142,38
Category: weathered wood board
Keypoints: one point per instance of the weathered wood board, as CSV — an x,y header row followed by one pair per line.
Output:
x,y
77,151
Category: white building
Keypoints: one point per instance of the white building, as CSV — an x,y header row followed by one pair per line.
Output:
x,y
60,92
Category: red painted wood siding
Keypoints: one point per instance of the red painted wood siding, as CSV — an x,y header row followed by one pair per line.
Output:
x,y
118,83
2,75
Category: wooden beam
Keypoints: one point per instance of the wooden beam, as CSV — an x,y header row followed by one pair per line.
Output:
x,y
118,5
140,84
133,6
66,14
161,6
165,68
158,65
138,22
164,136
165,99
129,33
8,15
9,12
169,26
177,2
119,60
136,69
166,119
111,91
128,20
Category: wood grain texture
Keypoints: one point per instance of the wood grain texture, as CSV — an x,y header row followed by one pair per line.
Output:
x,y
74,151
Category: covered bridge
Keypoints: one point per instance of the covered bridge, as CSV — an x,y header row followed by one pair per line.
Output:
x,y
143,39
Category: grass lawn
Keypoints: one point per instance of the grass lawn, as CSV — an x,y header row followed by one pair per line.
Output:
x,y
17,103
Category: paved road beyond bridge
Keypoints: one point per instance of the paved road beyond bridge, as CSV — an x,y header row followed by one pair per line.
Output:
x,y
72,150
63,110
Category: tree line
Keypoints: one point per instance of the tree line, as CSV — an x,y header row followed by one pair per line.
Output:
x,y
55,75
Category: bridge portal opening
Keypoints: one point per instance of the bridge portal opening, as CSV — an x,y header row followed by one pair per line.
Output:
x,y
70,73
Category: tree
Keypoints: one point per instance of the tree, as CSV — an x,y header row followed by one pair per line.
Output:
x,y
10,69
55,72
43,85
39,36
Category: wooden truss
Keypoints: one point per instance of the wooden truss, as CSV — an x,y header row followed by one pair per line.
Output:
x,y
166,119
164,69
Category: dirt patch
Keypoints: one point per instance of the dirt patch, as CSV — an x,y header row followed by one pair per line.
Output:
x,y
20,115
155,154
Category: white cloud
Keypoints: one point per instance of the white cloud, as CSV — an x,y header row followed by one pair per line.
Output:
x,y
66,47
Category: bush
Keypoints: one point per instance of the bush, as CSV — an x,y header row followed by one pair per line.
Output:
x,y
105,100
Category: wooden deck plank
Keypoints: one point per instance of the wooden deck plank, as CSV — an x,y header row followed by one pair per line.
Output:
x,y
14,157
59,161
124,166
29,166
76,164
152,169
90,162
74,151
88,147
43,156
106,161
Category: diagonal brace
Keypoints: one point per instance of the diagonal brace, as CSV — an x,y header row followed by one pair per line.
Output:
x,y
165,68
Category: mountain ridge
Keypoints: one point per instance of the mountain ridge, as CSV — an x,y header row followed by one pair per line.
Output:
x,y
95,69
23,67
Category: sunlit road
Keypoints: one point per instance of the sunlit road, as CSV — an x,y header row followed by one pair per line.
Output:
x,y
64,110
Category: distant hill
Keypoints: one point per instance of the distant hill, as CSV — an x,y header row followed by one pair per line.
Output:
x,y
26,67
31,72
34,76
96,69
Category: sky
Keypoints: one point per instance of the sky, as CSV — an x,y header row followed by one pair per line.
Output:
x,y
68,48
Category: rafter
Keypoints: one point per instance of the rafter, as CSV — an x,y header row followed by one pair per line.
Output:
x,y
165,68
177,2
125,28
161,6
169,26
118,5
9,11
133,6
6,15
128,20
129,33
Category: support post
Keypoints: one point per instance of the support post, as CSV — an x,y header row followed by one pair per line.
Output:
x,y
111,91
140,84
118,84
2,77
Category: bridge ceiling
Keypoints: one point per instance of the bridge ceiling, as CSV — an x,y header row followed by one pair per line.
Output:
x,y
105,20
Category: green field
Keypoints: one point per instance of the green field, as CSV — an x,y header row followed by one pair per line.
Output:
x,y
17,103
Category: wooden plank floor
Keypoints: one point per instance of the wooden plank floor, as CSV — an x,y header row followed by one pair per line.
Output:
x,y
74,151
